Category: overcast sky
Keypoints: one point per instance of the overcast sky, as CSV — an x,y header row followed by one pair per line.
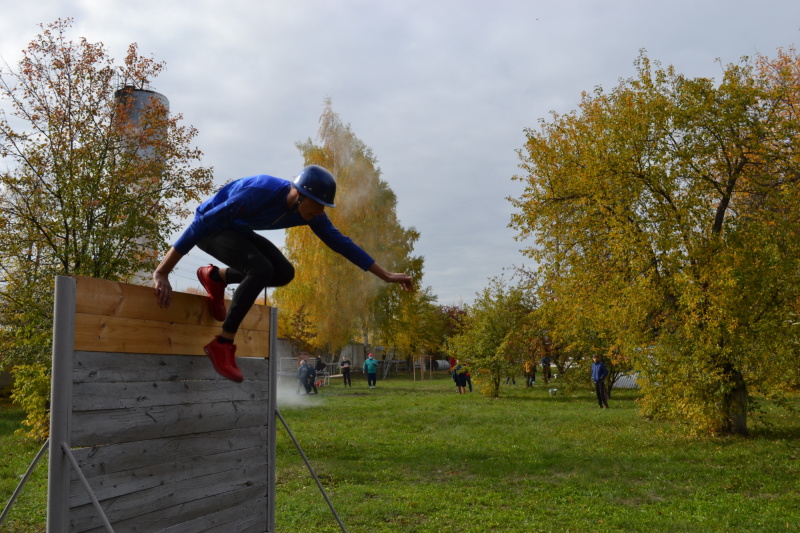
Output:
x,y
441,90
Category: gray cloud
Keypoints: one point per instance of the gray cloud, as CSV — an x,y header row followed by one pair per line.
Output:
x,y
441,91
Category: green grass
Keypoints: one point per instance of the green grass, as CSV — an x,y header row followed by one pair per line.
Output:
x,y
417,457
29,513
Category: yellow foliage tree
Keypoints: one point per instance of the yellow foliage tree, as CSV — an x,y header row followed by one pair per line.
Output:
x,y
667,214
338,298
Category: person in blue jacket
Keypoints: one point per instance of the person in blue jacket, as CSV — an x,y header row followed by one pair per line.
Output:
x,y
224,227
599,373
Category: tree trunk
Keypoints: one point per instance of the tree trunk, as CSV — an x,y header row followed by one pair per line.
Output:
x,y
736,404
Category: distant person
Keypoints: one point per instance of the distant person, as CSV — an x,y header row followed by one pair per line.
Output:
x,y
345,366
511,376
530,372
302,376
599,373
468,376
546,375
311,379
371,369
320,365
224,227
460,377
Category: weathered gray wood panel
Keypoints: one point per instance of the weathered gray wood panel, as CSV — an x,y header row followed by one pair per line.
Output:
x,y
105,367
136,480
247,517
101,460
102,396
166,444
244,518
182,504
91,428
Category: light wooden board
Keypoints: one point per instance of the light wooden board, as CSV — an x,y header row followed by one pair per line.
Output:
x,y
124,318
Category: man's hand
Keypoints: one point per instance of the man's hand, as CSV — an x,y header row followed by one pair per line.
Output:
x,y
162,289
161,286
404,280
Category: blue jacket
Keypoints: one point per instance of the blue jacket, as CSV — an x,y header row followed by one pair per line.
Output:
x,y
259,203
599,371
302,372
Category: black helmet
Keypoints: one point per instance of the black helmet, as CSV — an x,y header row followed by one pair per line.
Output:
x,y
318,184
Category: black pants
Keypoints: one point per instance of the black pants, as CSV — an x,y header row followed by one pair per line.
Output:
x,y
346,377
600,389
253,262
302,384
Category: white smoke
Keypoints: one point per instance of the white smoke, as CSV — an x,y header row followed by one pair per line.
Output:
x,y
288,396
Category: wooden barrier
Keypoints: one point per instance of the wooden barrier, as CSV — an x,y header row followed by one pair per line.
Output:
x,y
161,441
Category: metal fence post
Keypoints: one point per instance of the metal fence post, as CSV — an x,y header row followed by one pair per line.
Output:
x,y
61,403
271,419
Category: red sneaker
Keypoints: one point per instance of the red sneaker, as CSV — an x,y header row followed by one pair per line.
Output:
x,y
216,292
223,357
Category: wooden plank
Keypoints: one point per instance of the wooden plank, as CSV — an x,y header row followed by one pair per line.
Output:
x,y
101,460
243,518
124,300
118,484
248,517
119,317
105,396
92,428
201,516
99,367
174,503
98,333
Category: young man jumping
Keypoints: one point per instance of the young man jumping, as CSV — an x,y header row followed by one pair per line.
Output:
x,y
224,227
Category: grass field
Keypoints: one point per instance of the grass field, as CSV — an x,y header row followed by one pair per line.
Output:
x,y
418,457
29,512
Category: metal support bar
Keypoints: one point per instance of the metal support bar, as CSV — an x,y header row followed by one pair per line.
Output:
x,y
313,474
272,368
61,403
27,475
68,452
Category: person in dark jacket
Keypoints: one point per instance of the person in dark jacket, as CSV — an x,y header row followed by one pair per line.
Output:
x,y
599,373
460,377
345,366
546,374
302,376
224,227
311,379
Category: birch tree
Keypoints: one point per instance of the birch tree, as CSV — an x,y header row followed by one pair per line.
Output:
x,y
339,298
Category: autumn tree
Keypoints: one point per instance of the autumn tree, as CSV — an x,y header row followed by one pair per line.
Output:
x,y
571,332
85,190
493,338
339,298
666,213
297,329
415,326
